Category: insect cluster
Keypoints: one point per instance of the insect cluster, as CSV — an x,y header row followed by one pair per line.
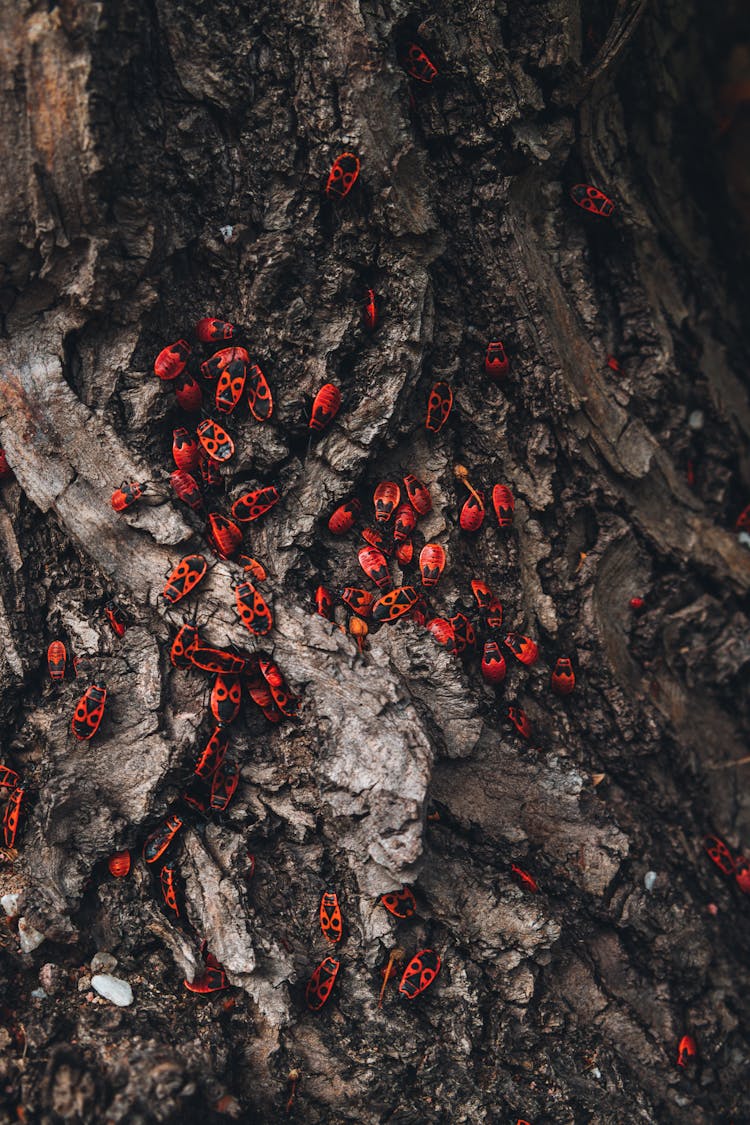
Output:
x,y
389,541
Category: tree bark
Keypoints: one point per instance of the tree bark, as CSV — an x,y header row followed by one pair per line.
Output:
x,y
165,162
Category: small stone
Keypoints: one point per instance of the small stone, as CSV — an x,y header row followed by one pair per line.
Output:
x,y
112,988
696,419
39,994
84,984
30,938
226,232
103,962
649,880
9,904
52,978
744,539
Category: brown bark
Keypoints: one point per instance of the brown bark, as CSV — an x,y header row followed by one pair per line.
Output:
x,y
133,135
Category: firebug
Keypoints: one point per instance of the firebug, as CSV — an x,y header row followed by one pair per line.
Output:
x,y
496,361
401,904
216,441
119,864
330,917
439,406
343,175
157,843
386,498
209,329
12,815
184,449
56,659
226,696
419,973
252,609
325,407
342,520
89,712
419,494
431,563
592,200
189,571
127,495
252,505
171,360
321,983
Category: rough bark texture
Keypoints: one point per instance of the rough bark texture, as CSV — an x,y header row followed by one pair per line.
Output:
x,y
134,133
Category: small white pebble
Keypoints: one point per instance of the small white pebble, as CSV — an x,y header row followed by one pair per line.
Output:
x,y
226,232
30,938
9,904
695,421
744,539
39,994
596,1073
112,988
649,880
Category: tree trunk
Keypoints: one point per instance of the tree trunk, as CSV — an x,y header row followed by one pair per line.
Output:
x,y
165,162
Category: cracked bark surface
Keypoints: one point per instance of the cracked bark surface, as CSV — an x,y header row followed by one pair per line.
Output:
x,y
133,135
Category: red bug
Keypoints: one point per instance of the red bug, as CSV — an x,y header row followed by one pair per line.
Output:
x,y
12,815
231,385
613,363
212,979
324,602
386,498
5,469
376,538
401,904
252,567
524,879
186,489
119,864
325,407
213,367
253,504
260,693
417,65
343,175
226,696
504,504
188,393
253,610
442,631
484,597
743,520
419,494
717,851
223,785
259,397
56,658
742,874
182,646
210,474
361,601
223,534
8,778
472,514
330,917
431,563
342,520
216,441
394,604
439,406
211,659
321,983
284,699
184,449
404,552
405,522
592,200
496,361
171,360
208,329
157,843
563,676
116,618
213,754
419,973
127,495
372,561
686,1050
168,887
370,313
463,632
89,712
520,721
523,648
637,603
493,663
184,578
